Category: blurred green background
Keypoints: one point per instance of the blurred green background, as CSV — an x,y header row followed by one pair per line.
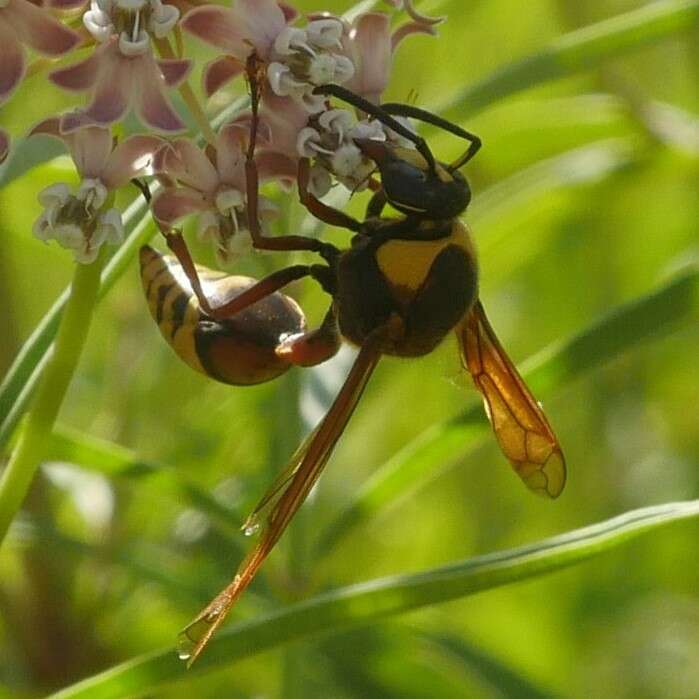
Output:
x,y
586,198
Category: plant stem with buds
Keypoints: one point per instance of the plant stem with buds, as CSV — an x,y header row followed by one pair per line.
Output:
x,y
34,438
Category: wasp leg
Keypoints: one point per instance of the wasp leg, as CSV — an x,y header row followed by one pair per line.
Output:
x,y
376,204
280,504
314,347
259,239
381,114
408,110
143,188
265,287
327,214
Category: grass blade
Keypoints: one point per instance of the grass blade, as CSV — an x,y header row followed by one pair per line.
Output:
x,y
506,681
621,329
19,383
115,461
578,51
365,603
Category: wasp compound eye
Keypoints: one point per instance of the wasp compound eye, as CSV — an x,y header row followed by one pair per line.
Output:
x,y
412,187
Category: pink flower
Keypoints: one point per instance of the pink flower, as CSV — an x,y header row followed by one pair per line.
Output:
x,y
303,58
83,221
297,59
369,44
212,184
21,23
122,72
250,25
119,82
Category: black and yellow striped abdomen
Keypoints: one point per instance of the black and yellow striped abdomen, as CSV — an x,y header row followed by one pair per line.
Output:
x,y
239,350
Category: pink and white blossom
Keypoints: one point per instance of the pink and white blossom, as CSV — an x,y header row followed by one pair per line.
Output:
x,y
82,220
118,82
297,58
22,23
122,73
327,135
246,27
304,58
212,184
370,44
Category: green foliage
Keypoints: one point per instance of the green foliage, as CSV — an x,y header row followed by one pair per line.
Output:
x,y
367,602
585,215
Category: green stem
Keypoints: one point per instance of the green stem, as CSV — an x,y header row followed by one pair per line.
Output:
x,y
187,94
35,437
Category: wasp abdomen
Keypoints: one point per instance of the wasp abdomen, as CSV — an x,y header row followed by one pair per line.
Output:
x,y
239,350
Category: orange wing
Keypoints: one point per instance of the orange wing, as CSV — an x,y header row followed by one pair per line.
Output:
x,y
520,426
282,501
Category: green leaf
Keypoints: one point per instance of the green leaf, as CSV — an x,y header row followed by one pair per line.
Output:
x,y
26,154
113,460
581,50
19,383
493,672
142,565
620,330
365,603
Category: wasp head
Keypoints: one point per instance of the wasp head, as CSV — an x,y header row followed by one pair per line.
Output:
x,y
412,186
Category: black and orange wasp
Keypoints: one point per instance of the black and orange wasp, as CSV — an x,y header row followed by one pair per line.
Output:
x,y
405,282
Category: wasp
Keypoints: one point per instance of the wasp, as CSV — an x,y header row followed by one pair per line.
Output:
x,y
405,282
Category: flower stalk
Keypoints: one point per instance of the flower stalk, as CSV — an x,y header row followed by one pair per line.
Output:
x,y
34,438
188,96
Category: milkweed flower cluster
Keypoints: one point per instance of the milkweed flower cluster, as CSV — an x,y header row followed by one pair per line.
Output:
x,y
134,54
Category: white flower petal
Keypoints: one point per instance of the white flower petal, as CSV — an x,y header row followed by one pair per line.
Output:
x,y
319,181
129,47
325,33
314,104
69,236
228,199
98,23
281,80
344,69
322,69
368,129
93,193
338,121
43,228
346,160
111,226
208,226
305,138
131,5
163,19
54,194
291,39
85,255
